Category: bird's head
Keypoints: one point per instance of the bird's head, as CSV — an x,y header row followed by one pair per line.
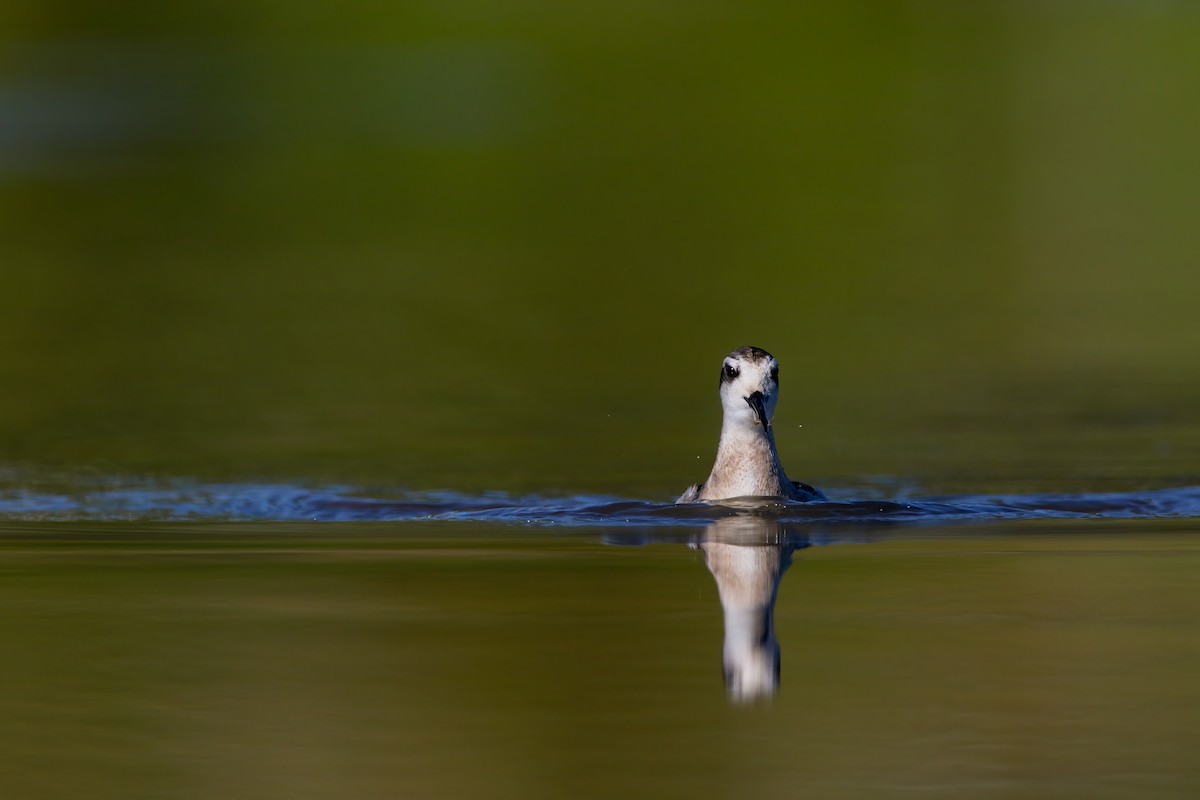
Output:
x,y
750,387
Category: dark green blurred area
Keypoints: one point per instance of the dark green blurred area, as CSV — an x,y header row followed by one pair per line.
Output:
x,y
504,246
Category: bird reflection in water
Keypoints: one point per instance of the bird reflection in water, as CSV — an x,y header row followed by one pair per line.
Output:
x,y
748,556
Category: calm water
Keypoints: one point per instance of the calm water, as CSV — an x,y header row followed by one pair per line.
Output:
x,y
350,360
450,659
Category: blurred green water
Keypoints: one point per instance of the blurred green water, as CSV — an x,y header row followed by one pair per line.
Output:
x,y
478,246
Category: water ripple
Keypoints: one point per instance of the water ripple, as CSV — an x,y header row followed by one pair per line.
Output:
x,y
287,503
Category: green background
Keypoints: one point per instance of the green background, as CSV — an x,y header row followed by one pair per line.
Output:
x,y
504,246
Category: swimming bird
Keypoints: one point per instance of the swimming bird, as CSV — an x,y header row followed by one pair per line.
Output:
x,y
747,464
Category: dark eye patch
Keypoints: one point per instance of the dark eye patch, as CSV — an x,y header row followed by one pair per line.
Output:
x,y
729,373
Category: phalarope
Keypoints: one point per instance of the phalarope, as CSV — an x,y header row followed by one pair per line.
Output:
x,y
747,464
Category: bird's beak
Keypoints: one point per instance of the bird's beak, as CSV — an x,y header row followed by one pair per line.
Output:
x,y
757,403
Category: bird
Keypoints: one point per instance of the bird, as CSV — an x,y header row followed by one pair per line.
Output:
x,y
747,463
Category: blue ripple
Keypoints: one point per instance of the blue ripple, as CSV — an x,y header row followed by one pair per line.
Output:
x,y
288,503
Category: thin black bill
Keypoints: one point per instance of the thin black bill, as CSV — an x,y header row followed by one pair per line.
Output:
x,y
757,402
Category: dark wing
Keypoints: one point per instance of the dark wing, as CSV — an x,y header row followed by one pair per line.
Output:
x,y
806,492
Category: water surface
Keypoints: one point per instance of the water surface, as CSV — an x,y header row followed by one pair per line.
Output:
x,y
440,659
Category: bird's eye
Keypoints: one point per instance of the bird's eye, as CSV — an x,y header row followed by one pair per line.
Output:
x,y
775,373
731,372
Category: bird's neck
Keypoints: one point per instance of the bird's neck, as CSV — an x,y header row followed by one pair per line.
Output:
x,y
747,464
